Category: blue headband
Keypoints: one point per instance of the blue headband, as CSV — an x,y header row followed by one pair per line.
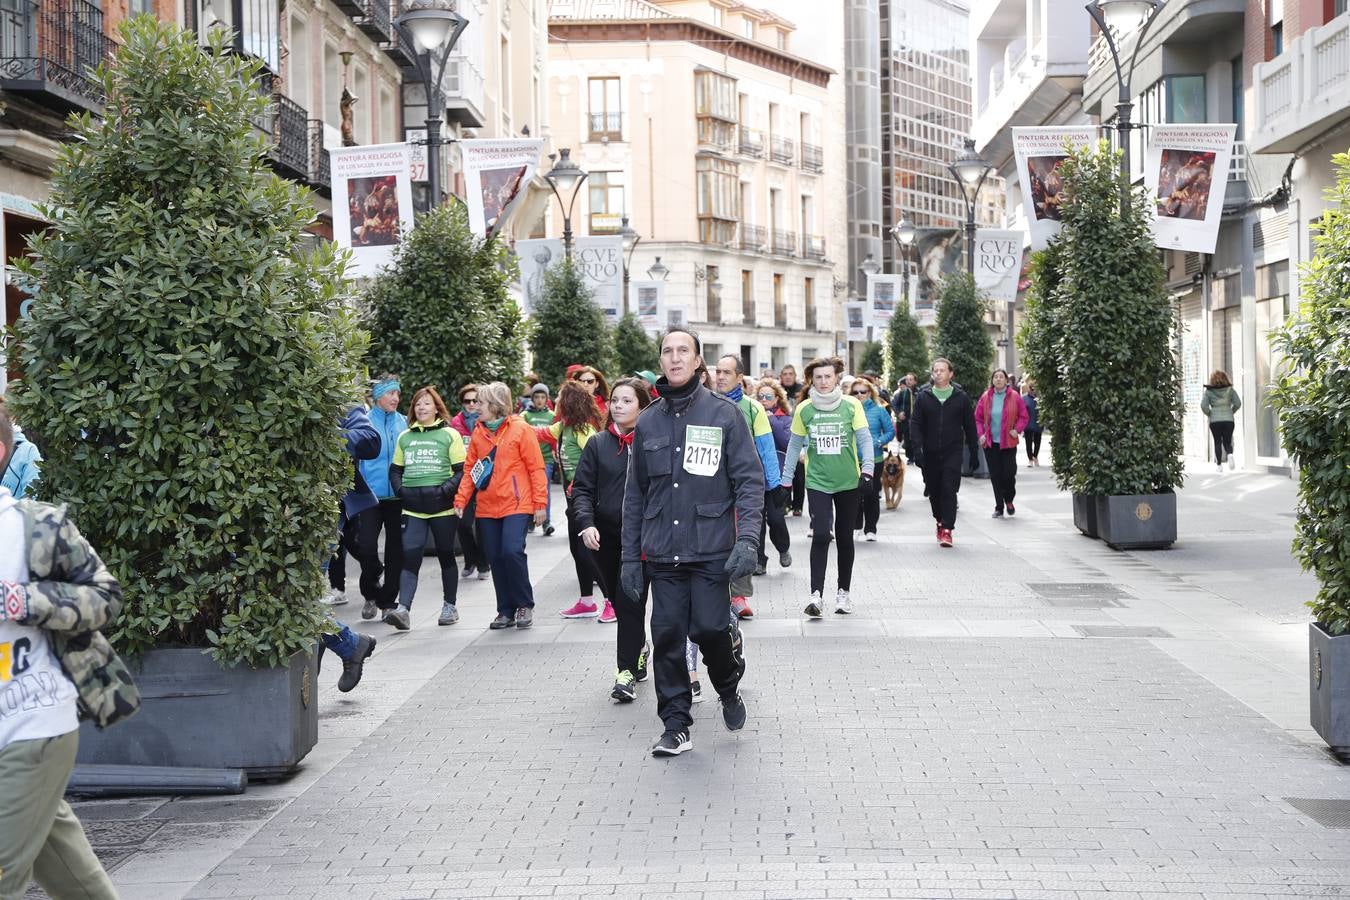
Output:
x,y
383,387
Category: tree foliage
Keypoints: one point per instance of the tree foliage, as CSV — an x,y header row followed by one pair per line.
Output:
x,y
634,349
441,313
568,326
1312,396
872,358
906,346
961,335
1042,344
187,358
1121,381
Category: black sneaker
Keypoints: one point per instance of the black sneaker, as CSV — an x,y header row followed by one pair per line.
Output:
x,y
643,659
548,529
625,686
733,712
502,622
1012,510
696,690
673,743
351,668
524,617
785,559
762,568
998,514
485,573
467,573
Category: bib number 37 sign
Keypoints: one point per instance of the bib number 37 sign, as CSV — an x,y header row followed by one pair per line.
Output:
x,y
702,449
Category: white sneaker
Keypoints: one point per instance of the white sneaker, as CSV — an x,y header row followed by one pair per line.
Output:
x,y
334,597
816,606
1232,463
871,537
1219,468
842,604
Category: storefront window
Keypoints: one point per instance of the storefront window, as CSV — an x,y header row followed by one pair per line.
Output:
x,y
1272,287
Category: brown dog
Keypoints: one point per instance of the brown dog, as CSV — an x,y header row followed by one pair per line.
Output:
x,y
893,478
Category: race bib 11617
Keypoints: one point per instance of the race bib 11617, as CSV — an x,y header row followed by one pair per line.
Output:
x,y
702,449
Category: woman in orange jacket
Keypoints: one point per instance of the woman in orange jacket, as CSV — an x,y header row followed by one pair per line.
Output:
x,y
505,475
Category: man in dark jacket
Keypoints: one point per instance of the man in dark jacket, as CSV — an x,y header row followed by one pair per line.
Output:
x,y
942,424
902,406
693,503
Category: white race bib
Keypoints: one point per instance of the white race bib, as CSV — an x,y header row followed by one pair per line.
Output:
x,y
828,438
702,449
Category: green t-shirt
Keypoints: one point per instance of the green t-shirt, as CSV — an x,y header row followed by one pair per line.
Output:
x,y
943,394
831,443
571,441
428,455
536,418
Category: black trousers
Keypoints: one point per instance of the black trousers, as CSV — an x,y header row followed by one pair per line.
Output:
x,y
631,611
1033,443
906,444
389,517
827,510
1002,474
690,602
774,521
1223,440
869,510
470,538
415,530
942,480
798,488
360,543
581,557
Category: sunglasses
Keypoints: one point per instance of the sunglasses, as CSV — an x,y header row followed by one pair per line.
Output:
x,y
586,380
767,398
469,400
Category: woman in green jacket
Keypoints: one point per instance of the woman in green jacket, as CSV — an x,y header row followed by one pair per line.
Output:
x,y
1218,404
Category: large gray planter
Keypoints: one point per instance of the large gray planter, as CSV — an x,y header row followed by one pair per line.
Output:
x,y
1329,688
1137,521
1085,514
194,713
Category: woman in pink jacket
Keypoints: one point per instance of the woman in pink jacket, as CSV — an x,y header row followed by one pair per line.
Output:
x,y
1000,418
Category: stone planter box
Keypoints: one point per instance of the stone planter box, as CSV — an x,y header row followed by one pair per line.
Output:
x,y
1085,514
196,714
1137,521
1329,688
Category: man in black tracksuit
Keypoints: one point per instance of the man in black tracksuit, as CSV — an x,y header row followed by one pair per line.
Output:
x,y
692,508
941,426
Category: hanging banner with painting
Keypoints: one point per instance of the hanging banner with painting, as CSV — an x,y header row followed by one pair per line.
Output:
x,y
598,259
938,253
855,320
372,203
1186,171
648,300
882,293
998,262
497,175
1040,151
535,258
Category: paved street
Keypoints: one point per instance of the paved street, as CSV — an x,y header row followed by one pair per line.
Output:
x,y
1030,714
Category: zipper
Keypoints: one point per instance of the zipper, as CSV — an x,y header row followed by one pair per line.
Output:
x,y
515,489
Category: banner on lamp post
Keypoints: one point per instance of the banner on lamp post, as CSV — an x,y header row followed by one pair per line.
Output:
x,y
1186,171
536,258
372,203
855,320
998,262
648,300
882,293
600,261
496,175
1039,152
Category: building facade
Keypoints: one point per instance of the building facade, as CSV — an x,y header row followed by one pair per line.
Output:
x,y
697,121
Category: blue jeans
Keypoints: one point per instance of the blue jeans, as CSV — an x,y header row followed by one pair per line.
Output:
x,y
504,546
343,643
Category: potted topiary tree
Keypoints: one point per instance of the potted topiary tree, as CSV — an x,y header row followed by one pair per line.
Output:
x,y
1041,341
906,346
1312,396
187,359
1120,379
568,326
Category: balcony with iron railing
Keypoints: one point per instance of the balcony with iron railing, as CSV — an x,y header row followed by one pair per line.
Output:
x,y
373,17
319,172
813,158
605,126
289,152
1305,91
784,243
779,312
399,48
782,150
751,143
751,238
49,51
810,314
813,247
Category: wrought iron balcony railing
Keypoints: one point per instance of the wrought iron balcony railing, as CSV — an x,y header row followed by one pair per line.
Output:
x,y
751,237
318,156
290,137
782,150
49,49
813,158
752,143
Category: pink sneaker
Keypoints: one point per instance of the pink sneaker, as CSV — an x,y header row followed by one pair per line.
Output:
x,y
580,610
741,608
607,614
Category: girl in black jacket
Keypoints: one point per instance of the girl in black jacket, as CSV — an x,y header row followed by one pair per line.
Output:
x,y
597,507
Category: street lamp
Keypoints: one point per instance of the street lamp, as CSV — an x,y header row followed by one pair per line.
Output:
x,y
970,170
432,27
1121,18
657,270
869,266
630,241
566,177
904,235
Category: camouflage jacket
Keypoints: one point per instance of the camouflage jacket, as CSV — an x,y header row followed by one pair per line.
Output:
x,y
71,595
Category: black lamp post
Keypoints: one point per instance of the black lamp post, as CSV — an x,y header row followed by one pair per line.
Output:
x,y
433,28
970,170
566,177
903,235
630,241
658,271
1121,18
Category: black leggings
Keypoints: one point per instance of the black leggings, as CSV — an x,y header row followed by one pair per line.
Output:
x,y
1033,436
415,530
1002,474
1223,440
581,557
826,511
798,488
631,613
869,510
475,557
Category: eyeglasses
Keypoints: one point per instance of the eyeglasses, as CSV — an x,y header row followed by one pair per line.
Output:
x,y
861,393
767,398
586,380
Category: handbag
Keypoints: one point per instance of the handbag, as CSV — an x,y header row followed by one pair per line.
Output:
x,y
481,473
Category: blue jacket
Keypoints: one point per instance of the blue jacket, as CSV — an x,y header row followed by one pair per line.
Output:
x,y
23,465
761,431
1033,423
376,471
782,435
882,425
362,442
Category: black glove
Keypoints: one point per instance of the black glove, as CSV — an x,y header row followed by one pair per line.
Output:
x,y
781,495
631,579
743,559
975,459
864,480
